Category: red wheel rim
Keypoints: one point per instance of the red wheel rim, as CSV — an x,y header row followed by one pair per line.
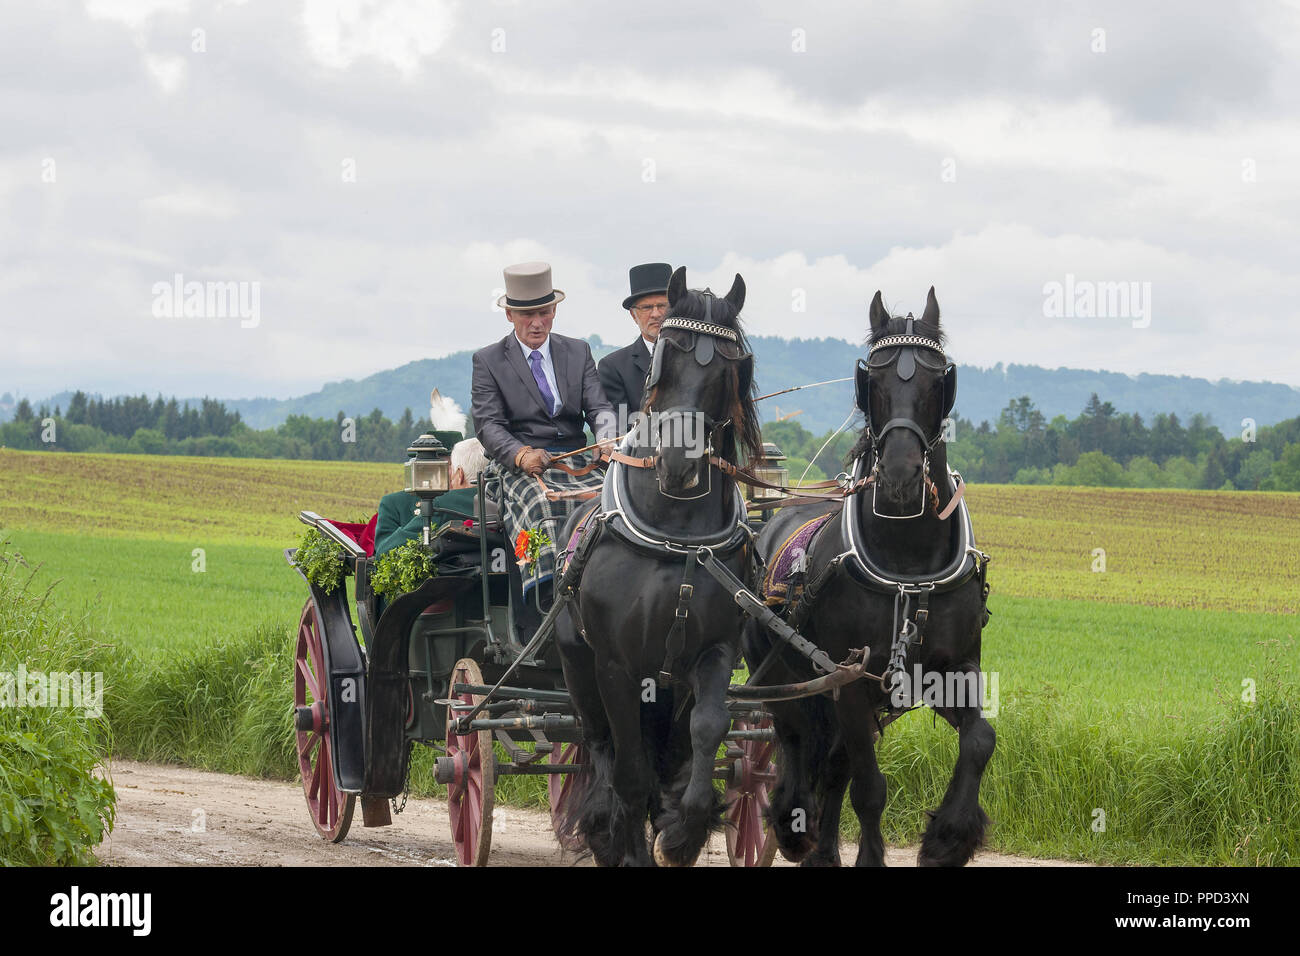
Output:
x,y
562,789
470,795
748,842
330,808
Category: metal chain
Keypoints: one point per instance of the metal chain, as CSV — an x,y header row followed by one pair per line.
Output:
x,y
406,785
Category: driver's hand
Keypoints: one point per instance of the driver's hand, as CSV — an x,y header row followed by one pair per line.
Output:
x,y
606,447
536,461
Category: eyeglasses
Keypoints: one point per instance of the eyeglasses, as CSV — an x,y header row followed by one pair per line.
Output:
x,y
649,309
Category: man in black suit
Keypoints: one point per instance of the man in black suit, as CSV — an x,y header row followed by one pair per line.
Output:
x,y
622,373
531,393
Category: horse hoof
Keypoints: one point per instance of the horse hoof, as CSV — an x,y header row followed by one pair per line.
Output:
x,y
661,858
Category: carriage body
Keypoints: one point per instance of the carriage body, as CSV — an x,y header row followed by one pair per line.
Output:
x,y
365,667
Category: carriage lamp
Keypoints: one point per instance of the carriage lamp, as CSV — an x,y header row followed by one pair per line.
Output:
x,y
428,470
768,468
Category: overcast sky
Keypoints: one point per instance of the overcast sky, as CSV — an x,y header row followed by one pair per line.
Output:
x,y
372,166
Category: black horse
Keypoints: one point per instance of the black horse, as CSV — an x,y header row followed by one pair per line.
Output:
x,y
648,645
894,568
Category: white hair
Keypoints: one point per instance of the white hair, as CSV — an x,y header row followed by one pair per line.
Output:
x,y
468,456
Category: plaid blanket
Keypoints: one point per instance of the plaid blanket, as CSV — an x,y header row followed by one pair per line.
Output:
x,y
525,507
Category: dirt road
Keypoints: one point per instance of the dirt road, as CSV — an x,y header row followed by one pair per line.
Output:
x,y
176,816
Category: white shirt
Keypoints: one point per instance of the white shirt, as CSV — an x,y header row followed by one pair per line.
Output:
x,y
649,346
548,367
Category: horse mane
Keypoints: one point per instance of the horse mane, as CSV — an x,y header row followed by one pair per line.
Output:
x,y
896,325
744,430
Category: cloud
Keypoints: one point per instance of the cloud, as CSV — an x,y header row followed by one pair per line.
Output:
x,y
375,165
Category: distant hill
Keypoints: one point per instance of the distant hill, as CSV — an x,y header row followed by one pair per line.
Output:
x,y
981,393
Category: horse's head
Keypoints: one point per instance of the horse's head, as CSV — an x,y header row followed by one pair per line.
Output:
x,y
699,394
906,389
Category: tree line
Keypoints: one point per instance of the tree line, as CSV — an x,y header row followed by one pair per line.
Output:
x,y
134,424
1100,446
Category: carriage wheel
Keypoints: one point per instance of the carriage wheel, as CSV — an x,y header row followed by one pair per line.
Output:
x,y
563,789
471,793
748,841
330,808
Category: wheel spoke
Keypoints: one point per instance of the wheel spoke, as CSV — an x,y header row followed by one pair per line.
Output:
x,y
305,746
309,678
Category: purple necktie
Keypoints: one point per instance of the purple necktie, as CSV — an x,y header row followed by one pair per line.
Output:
x,y
540,378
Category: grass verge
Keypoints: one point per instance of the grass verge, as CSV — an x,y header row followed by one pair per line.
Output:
x,y
54,809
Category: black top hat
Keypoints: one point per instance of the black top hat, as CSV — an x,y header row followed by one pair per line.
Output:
x,y
647,279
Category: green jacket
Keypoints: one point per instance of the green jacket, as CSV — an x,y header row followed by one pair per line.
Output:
x,y
398,523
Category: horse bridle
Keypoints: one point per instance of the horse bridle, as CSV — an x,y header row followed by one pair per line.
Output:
x,y
704,346
908,344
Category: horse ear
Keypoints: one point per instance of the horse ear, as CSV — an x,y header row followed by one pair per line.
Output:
x,y
676,286
931,315
879,317
736,297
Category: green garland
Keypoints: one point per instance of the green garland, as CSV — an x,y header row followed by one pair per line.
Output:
x,y
321,560
403,569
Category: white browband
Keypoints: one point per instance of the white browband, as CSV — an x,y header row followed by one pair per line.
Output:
x,y
693,325
919,341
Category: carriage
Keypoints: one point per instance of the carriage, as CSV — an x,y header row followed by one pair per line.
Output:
x,y
427,669
442,665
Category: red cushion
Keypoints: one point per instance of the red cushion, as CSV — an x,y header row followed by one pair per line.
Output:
x,y
362,534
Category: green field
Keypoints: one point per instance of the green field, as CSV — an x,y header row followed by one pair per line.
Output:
x,y
1126,690
147,593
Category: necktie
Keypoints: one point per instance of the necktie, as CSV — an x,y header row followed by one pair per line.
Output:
x,y
540,378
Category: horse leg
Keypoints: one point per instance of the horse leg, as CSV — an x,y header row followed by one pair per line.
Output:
x,y
957,828
867,789
586,818
632,776
830,805
789,817
683,834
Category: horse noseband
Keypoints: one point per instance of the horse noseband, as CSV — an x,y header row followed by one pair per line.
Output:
x,y
703,460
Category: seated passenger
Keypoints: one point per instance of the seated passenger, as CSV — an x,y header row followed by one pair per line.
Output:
x,y
398,523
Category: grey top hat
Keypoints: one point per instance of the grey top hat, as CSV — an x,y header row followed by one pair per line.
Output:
x,y
528,286
647,279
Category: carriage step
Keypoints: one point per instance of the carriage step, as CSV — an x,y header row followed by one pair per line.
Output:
x,y
374,811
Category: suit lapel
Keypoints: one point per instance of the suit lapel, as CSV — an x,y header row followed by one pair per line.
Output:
x,y
515,359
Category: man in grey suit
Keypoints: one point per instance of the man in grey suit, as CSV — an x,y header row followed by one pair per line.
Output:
x,y
530,395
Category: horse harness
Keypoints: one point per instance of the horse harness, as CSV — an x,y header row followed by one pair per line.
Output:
x,y
615,514
911,593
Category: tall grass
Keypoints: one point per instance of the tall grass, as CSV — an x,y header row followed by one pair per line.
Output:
x,y
220,706
54,808
1072,785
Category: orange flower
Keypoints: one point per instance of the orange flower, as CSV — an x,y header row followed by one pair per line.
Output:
x,y
521,545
